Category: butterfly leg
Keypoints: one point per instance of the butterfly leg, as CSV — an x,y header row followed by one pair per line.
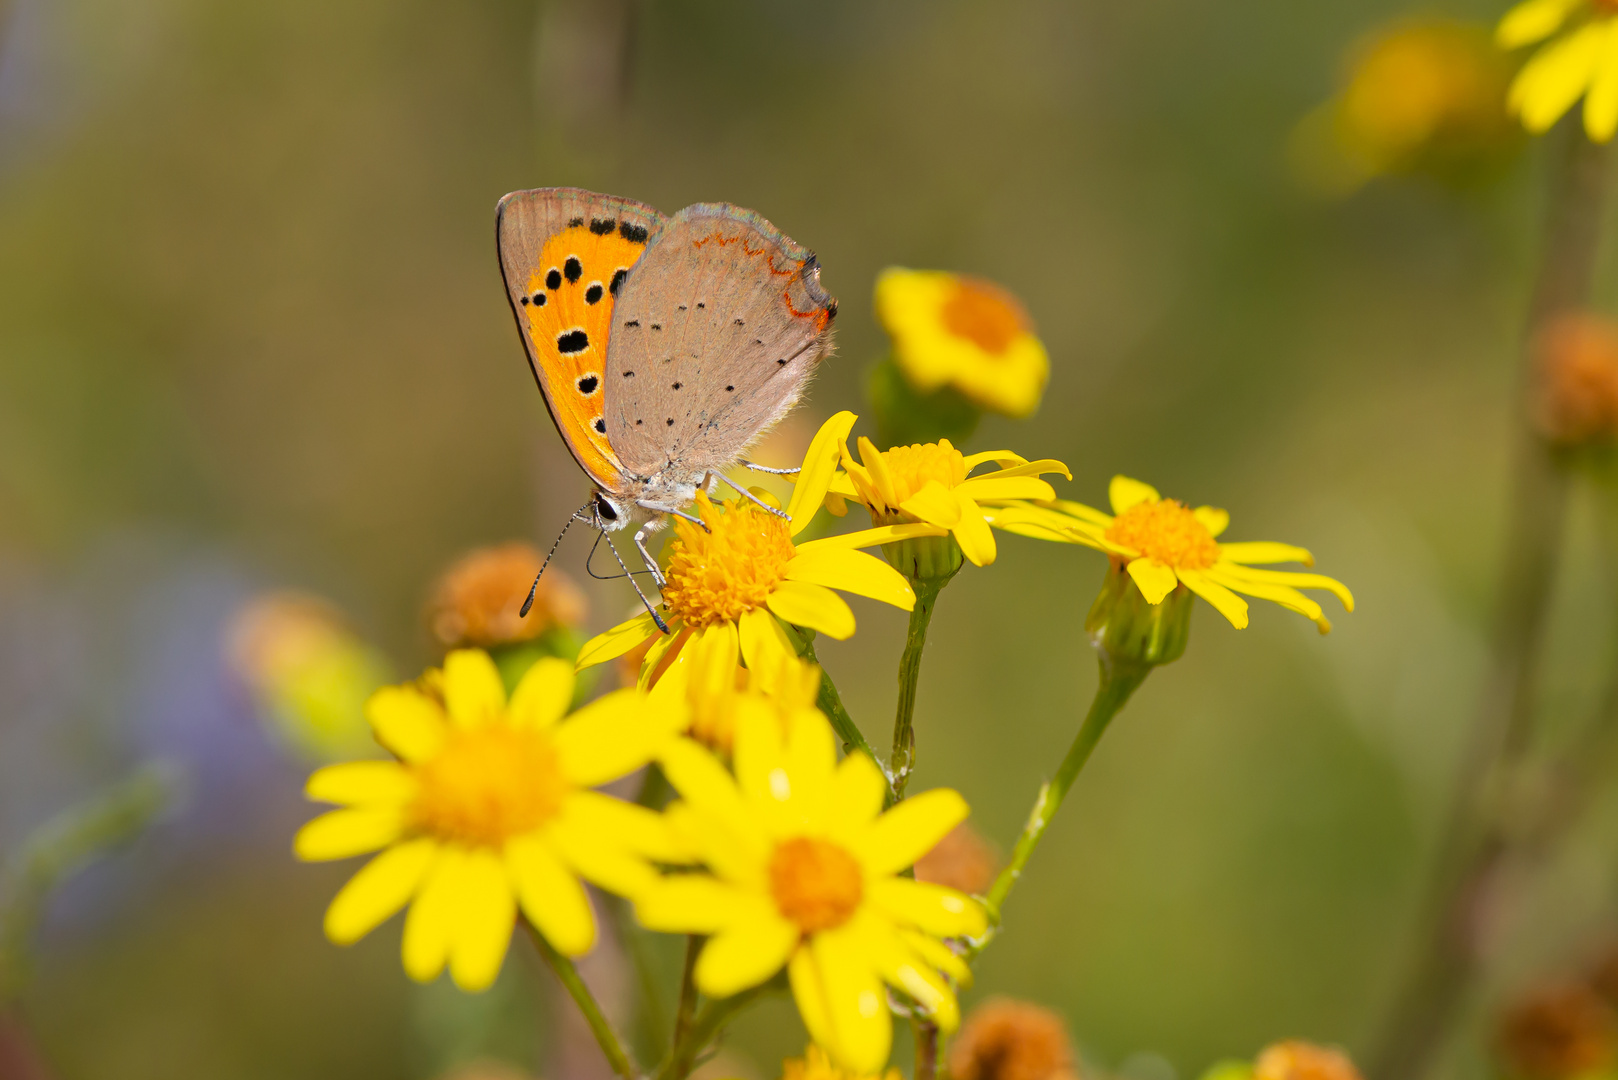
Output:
x,y
692,518
652,611
767,469
756,501
646,556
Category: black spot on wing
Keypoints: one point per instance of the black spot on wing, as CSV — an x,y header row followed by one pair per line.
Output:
x,y
553,280
573,269
587,384
629,374
592,295
670,421
572,341
603,226
617,280
574,223
539,299
601,425
635,234
524,300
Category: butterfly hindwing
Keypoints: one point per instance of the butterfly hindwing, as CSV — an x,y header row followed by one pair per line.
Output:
x,y
566,254
714,336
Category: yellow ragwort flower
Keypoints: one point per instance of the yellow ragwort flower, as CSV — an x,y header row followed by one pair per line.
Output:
x,y
816,1065
1582,61
745,571
1165,544
804,874
963,332
932,483
487,811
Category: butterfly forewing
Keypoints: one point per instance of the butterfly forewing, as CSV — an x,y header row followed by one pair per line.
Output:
x,y
566,255
714,336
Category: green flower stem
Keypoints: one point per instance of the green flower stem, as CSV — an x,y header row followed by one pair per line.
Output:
x,y
1448,936
1118,681
651,1020
926,1035
606,1038
903,760
831,703
707,1026
686,1012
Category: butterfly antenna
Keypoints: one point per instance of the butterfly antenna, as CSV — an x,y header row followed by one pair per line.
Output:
x,y
533,589
656,618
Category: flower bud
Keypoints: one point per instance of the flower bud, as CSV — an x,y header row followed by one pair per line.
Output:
x,y
1575,389
1557,1032
962,861
477,601
1295,1059
1005,1039
1125,628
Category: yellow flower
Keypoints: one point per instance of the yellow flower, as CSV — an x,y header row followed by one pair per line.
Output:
x,y
705,681
489,810
933,484
805,875
963,332
744,571
1582,61
815,1065
1165,544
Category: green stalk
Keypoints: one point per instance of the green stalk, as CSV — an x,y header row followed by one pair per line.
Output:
x,y
686,1012
903,760
926,1036
605,1037
707,1026
1118,681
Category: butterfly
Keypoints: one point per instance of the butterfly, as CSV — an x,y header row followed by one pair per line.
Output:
x,y
664,346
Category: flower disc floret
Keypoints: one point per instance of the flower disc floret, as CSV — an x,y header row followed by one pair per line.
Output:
x,y
1167,531
815,883
489,785
721,574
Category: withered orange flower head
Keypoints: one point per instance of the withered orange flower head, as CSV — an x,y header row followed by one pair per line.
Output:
x,y
963,860
1006,1039
1575,400
477,601
1295,1059
1557,1032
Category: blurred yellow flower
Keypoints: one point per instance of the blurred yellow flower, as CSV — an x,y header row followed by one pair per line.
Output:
x,y
744,571
963,332
805,875
816,1065
932,483
1164,544
487,811
308,671
1426,94
1581,61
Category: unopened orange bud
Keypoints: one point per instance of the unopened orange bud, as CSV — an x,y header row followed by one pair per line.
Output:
x,y
477,600
963,860
1004,1039
1557,1032
1575,398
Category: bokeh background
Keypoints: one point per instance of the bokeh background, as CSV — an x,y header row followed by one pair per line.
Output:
x,y
253,335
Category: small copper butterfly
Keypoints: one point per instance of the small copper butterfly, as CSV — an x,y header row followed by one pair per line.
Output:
x,y
664,346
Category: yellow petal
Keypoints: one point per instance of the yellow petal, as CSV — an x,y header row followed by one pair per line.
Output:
x,y
381,888
1082,512
857,791
617,641
1531,21
1224,601
887,491
899,966
551,897
819,466
1154,579
882,534
1290,578
746,951
700,779
1601,103
813,606
810,755
362,783
483,930
406,721
473,692
672,642
1019,467
1004,458
939,955
855,1004
935,504
972,533
763,643
615,823
908,831
429,928
809,994
1287,597
1124,493
996,486
611,737
1265,552
939,911
543,695
342,833
1556,77
1213,519
691,904
854,572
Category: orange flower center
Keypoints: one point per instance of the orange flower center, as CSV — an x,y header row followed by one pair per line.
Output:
x,y
984,314
488,785
911,467
815,883
1166,531
719,576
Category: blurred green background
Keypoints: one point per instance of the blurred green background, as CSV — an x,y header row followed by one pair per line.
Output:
x,y
252,333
